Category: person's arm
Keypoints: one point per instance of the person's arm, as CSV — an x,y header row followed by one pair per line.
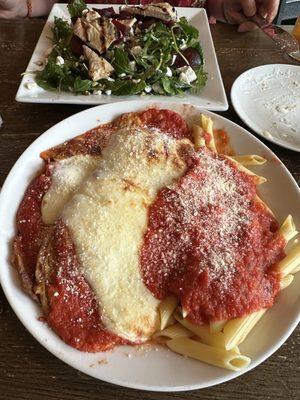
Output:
x,y
11,9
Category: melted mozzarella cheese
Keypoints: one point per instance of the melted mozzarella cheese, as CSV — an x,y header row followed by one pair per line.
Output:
x,y
67,176
107,219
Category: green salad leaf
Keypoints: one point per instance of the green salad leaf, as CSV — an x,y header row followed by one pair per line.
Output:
x,y
62,30
82,85
76,7
120,61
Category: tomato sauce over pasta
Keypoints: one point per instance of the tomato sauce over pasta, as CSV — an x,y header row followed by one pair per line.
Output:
x,y
210,243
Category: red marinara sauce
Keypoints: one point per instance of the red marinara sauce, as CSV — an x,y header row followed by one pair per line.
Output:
x,y
74,312
210,243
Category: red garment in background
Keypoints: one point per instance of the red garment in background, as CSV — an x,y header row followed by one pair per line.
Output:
x,y
176,3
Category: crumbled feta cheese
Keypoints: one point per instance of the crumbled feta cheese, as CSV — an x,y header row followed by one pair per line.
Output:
x,y
148,89
108,92
55,294
110,79
97,92
59,61
187,74
122,75
136,50
136,80
132,65
31,85
173,59
169,72
157,88
183,45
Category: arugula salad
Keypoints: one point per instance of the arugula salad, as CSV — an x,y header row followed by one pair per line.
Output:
x,y
138,50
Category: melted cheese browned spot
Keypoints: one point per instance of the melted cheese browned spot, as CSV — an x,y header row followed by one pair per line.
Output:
x,y
107,219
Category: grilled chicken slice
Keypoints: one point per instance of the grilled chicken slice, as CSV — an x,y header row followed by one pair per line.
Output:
x,y
79,30
162,11
124,25
91,15
99,68
98,33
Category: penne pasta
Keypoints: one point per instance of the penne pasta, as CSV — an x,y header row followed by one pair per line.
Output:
x,y
259,200
290,263
166,309
219,357
207,126
286,281
251,159
257,179
173,331
236,350
216,326
236,330
288,229
199,140
184,312
204,333
297,269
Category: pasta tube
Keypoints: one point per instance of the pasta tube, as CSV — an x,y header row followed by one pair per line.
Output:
x,y
216,326
290,263
199,140
236,330
173,331
166,309
286,281
204,333
257,179
251,159
211,355
259,200
288,229
207,125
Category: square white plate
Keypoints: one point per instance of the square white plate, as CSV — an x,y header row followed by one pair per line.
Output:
x,y
212,97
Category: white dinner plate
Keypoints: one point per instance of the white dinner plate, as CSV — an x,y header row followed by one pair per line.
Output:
x,y
149,367
212,96
267,99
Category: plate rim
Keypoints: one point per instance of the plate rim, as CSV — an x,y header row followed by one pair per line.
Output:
x,y
233,98
146,387
220,105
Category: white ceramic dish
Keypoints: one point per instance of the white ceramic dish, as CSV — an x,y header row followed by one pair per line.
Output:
x,y
147,368
212,97
267,99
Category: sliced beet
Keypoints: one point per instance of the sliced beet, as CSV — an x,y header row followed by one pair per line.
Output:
x,y
76,45
192,55
123,28
109,12
147,22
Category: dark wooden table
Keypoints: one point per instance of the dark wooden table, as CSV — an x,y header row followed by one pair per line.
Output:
x,y
27,370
